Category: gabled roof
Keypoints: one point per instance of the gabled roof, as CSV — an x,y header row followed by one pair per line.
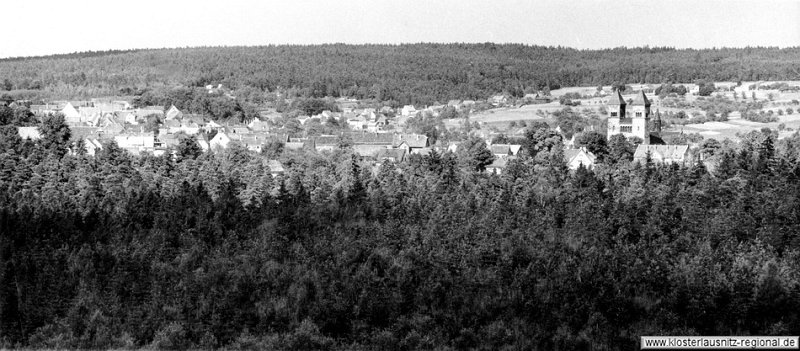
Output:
x,y
640,100
571,154
368,150
616,99
275,166
173,112
412,140
498,163
371,138
501,149
661,152
397,154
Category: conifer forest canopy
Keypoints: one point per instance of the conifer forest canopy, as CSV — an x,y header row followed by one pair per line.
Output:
x,y
404,74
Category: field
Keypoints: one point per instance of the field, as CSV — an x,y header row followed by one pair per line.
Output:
x,y
501,117
734,125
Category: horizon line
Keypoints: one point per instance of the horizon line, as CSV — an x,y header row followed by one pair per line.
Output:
x,y
562,47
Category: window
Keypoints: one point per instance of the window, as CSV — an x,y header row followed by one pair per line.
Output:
x,y
613,114
638,114
626,129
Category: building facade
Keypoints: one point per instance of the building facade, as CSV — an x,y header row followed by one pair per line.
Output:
x,y
630,120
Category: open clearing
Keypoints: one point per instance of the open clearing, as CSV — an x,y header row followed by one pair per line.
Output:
x,y
729,129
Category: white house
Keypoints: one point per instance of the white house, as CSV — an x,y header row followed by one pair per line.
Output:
x,y
173,113
577,157
408,110
71,114
220,141
666,154
29,133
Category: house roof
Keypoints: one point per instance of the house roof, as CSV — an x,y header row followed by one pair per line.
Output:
x,y
397,154
327,140
571,154
640,100
616,99
412,140
661,152
172,123
173,112
371,138
501,149
29,132
82,132
294,145
368,150
500,162
275,166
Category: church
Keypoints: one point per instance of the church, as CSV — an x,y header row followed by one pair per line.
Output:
x,y
633,120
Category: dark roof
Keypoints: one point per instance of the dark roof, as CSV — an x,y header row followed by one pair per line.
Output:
x,y
397,154
616,99
641,100
412,140
371,138
655,139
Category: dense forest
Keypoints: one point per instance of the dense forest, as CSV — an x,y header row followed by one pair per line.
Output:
x,y
208,250
399,74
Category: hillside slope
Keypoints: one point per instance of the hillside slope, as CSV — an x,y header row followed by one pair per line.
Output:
x,y
409,73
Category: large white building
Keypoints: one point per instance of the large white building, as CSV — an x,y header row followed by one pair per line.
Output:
x,y
630,120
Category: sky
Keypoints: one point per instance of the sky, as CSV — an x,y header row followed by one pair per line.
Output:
x,y
44,27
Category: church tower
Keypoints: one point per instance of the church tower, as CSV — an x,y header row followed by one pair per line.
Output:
x,y
640,111
616,113
629,120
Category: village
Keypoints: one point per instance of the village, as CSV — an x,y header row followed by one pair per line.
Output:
x,y
382,134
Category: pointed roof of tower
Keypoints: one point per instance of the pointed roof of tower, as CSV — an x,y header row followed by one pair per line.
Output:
x,y
616,99
641,100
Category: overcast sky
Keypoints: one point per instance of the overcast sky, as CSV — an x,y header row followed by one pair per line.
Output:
x,y
43,27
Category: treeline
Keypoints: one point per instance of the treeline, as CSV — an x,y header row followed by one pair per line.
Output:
x,y
209,250
401,74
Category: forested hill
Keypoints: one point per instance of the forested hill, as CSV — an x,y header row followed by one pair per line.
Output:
x,y
409,73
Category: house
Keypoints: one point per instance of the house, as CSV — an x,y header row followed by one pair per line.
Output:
x,y
368,150
92,146
212,126
88,114
498,166
357,123
275,167
143,113
136,143
173,113
203,144
127,117
408,110
393,155
326,143
71,114
505,150
577,157
31,133
257,125
220,141
498,100
411,142
666,154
